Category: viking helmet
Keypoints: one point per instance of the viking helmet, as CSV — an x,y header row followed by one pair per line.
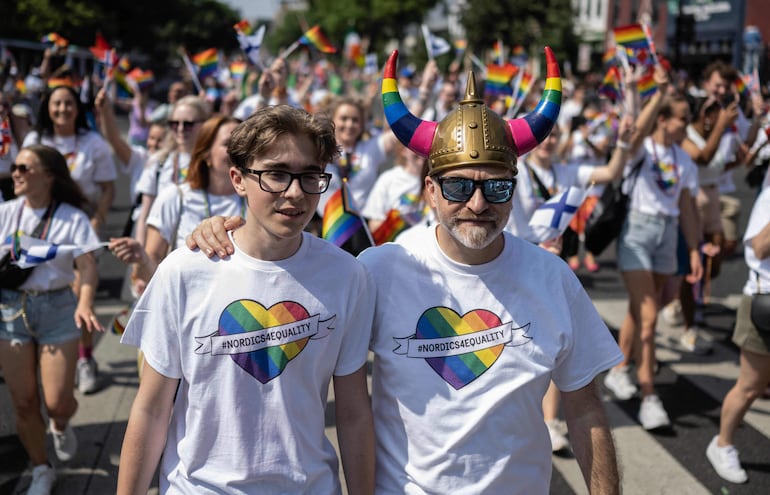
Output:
x,y
472,134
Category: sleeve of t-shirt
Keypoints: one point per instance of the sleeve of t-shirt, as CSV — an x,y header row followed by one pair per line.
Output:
x,y
760,214
83,233
148,181
104,165
375,207
164,213
690,176
591,348
29,139
358,326
153,327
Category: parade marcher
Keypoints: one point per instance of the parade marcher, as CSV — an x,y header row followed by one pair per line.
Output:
x,y
162,113
42,319
466,337
62,124
754,344
239,353
661,199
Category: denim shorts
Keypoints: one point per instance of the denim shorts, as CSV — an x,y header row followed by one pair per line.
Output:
x,y
44,317
649,243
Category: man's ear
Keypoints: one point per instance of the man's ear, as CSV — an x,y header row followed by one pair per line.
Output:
x,y
430,189
238,180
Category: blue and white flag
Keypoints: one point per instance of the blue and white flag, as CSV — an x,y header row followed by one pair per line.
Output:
x,y
36,251
434,45
251,44
551,218
370,64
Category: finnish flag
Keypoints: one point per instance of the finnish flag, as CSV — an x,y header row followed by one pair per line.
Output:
x,y
36,251
551,218
435,45
250,44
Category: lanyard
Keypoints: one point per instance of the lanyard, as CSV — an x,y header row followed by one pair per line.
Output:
x,y
666,184
538,188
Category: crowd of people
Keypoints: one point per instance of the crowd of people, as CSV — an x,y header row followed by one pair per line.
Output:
x,y
464,334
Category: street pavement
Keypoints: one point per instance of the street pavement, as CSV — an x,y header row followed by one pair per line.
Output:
x,y
667,462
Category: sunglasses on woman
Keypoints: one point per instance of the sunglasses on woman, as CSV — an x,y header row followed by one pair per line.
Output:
x,y
186,124
460,190
23,169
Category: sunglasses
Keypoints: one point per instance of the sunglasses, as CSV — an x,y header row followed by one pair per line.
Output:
x,y
23,169
186,124
460,190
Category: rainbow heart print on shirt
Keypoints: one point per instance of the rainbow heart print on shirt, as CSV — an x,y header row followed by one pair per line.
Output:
x,y
460,348
262,341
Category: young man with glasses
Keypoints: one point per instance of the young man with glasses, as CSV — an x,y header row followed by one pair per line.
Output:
x,y
472,324
239,353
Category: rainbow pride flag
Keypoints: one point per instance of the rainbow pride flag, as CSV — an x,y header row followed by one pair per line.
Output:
x,y
632,36
742,87
5,136
142,78
389,229
646,85
525,85
243,27
55,82
315,37
610,86
206,62
238,69
123,88
609,57
499,79
460,47
54,39
341,217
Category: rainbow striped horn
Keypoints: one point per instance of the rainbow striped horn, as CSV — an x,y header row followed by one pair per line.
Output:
x,y
415,133
533,128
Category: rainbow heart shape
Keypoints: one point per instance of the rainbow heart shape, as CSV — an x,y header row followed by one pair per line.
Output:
x,y
245,316
461,369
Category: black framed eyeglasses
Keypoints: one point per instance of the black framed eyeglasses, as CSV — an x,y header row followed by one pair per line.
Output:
x,y
278,181
23,169
460,189
186,124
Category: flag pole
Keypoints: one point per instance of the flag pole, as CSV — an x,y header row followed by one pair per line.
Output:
x,y
289,50
191,69
648,35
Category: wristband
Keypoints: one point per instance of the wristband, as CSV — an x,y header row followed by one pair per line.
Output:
x,y
623,145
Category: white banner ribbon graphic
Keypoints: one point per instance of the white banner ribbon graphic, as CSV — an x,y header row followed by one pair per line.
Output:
x,y
462,344
244,342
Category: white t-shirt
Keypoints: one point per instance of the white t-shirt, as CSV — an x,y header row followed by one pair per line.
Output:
x,y
709,174
157,176
135,166
366,158
395,189
255,344
463,357
760,217
196,206
657,188
89,158
69,225
527,197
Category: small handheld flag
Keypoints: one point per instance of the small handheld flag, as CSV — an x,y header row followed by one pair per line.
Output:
x,y
36,251
316,38
389,229
551,219
251,43
206,63
341,219
611,85
499,78
5,136
631,36
434,45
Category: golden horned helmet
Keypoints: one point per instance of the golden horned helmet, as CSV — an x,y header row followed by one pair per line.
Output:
x,y
472,134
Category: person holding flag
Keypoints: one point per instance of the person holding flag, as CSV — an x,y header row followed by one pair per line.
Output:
x,y
272,90
41,318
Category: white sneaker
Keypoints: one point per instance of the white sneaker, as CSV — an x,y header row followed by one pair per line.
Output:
x,y
692,341
725,462
43,479
65,443
651,413
557,430
619,383
672,313
85,375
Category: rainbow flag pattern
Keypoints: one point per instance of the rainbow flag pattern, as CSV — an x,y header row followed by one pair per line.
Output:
x,y
55,39
632,36
341,218
525,85
609,57
413,132
5,136
460,47
245,316
388,230
123,88
55,82
534,127
315,37
461,369
499,79
741,87
21,86
610,86
206,62
142,78
646,85
244,27
238,69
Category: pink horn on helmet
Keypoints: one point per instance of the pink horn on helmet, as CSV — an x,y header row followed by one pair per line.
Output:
x,y
415,133
533,128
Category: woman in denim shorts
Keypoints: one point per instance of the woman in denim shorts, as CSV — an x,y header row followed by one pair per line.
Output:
x,y
42,318
661,197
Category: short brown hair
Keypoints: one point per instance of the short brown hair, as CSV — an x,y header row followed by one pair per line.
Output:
x,y
254,136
